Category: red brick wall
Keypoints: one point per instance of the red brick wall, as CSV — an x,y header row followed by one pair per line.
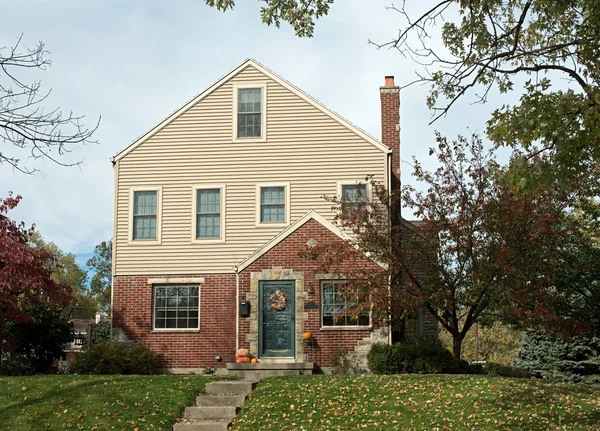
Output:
x,y
132,312
285,255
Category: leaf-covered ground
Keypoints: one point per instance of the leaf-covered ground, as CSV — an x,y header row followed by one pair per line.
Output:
x,y
418,402
95,403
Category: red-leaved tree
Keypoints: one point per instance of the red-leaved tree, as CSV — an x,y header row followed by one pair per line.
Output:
x,y
25,271
479,248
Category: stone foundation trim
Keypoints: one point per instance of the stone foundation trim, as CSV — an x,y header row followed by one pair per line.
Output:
x,y
176,280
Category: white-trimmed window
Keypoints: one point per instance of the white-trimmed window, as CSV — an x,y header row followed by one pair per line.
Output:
x,y
145,209
208,213
249,112
273,204
341,308
176,308
353,192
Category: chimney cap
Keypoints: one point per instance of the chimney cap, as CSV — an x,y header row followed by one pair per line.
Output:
x,y
389,81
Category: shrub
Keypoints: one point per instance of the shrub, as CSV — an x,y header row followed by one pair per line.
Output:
x,y
100,333
36,344
558,360
506,370
416,356
17,366
116,358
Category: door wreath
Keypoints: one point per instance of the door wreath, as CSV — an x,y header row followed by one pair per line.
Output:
x,y
278,300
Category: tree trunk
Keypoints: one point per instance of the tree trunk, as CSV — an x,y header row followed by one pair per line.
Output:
x,y
456,348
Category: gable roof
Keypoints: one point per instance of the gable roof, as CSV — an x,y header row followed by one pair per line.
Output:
x,y
250,62
311,215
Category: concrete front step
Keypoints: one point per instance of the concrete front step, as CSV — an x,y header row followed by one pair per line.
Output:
x,y
220,400
234,387
270,369
202,425
212,412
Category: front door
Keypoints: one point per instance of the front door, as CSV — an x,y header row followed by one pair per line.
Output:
x,y
276,326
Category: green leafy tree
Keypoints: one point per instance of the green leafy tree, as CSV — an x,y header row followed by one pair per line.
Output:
x,y
101,283
497,342
471,48
300,14
480,249
66,271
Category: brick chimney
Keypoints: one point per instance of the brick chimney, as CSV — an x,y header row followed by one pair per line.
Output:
x,y
390,126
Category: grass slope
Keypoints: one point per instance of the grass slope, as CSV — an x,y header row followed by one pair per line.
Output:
x,y
95,403
418,402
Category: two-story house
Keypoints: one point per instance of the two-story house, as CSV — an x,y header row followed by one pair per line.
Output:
x,y
212,207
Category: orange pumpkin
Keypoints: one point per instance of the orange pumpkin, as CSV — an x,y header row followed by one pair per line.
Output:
x,y
307,335
254,361
242,360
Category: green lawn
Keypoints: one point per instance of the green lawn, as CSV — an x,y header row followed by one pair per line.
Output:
x,y
94,403
418,402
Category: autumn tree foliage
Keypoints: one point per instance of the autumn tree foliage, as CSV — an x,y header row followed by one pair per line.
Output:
x,y
479,248
25,272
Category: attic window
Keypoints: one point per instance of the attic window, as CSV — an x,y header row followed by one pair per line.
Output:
x,y
249,112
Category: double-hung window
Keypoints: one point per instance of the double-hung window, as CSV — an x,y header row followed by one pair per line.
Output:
x,y
249,112
208,213
272,204
145,214
341,307
352,194
176,307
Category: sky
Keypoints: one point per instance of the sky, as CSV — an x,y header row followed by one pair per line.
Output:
x,y
130,63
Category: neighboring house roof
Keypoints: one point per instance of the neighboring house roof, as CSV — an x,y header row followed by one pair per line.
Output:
x,y
311,215
82,325
273,76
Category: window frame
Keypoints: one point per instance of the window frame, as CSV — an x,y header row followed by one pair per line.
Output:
x,y
338,327
195,188
341,184
263,112
286,210
141,241
153,308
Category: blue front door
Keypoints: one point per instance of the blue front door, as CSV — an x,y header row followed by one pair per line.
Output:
x,y
276,326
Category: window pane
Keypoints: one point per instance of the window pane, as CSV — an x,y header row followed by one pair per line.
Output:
x,y
249,112
354,192
144,202
176,307
272,200
144,227
341,308
209,201
208,226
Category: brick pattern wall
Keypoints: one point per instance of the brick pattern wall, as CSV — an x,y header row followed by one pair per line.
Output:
x,y
390,135
285,255
132,312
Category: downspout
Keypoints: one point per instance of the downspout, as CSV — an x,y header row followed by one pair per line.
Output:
x,y
389,187
114,243
237,309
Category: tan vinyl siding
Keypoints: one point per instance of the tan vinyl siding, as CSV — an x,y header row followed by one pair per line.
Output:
x,y
304,147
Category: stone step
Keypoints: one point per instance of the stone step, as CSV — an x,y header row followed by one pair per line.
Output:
x,y
262,374
235,387
212,412
202,425
220,400
271,366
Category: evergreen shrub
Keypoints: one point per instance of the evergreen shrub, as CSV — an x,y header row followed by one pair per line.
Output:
x,y
116,358
423,356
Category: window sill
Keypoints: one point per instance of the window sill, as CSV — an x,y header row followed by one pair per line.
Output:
x,y
346,328
209,241
178,331
249,140
138,242
272,225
